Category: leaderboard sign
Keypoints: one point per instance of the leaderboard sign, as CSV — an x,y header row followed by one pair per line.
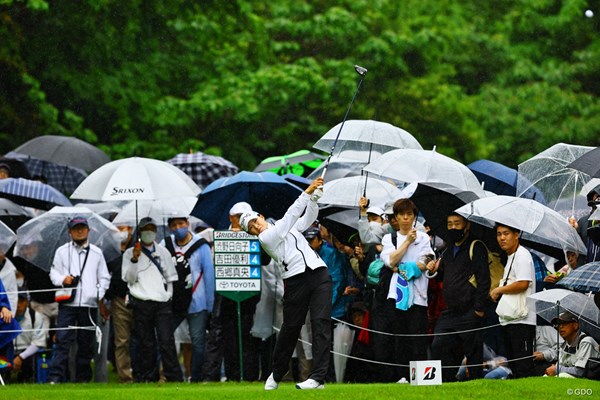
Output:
x,y
237,264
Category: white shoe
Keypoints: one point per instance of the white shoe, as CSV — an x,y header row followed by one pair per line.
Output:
x,y
271,384
402,380
310,384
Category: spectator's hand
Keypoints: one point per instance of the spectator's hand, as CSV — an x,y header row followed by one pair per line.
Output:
x,y
495,294
68,280
551,370
137,250
17,363
363,203
551,278
104,311
480,314
5,315
412,236
358,253
573,222
538,356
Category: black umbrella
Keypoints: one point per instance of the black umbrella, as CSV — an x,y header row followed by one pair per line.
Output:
x,y
589,163
18,169
65,150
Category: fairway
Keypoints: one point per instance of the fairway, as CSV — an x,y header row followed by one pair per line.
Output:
x,y
530,388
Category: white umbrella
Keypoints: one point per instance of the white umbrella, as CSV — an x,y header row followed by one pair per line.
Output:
x,y
38,238
424,166
346,192
7,238
136,178
539,224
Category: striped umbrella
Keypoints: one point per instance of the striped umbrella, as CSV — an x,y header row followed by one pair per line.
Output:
x,y
30,193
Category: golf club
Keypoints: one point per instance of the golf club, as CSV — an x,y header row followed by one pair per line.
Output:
x,y
362,72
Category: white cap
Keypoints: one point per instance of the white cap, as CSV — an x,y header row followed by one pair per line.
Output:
x,y
246,218
240,208
375,210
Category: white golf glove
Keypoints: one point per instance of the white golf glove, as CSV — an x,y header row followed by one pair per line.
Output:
x,y
317,194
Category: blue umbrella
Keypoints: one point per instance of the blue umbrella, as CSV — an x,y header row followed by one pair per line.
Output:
x,y
32,193
267,193
502,180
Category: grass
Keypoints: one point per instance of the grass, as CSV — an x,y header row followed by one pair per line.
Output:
x,y
530,388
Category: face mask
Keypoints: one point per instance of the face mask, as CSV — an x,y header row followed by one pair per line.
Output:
x,y
455,235
20,282
148,237
123,236
180,233
593,203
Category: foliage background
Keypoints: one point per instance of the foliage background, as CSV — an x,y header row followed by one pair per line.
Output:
x,y
248,79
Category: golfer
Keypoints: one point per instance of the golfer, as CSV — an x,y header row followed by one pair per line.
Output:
x,y
307,285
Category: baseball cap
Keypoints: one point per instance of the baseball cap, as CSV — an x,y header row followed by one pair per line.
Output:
x,y
145,222
375,210
312,233
565,316
77,220
246,218
240,208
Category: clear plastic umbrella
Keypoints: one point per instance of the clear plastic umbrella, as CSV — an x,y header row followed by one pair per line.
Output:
x,y
38,239
367,135
424,166
346,192
542,228
7,238
550,173
159,210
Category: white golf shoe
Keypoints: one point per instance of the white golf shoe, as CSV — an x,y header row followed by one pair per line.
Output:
x,y
271,384
310,384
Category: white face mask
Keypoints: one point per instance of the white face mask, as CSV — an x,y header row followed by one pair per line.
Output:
x,y
148,237
123,236
20,282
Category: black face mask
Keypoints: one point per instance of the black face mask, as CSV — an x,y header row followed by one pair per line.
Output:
x,y
593,203
455,235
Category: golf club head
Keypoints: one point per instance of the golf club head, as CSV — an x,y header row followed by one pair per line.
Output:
x,y
360,70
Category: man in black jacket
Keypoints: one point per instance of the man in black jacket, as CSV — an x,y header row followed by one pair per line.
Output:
x,y
464,257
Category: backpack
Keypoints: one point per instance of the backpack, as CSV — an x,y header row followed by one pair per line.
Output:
x,y
374,270
494,263
183,287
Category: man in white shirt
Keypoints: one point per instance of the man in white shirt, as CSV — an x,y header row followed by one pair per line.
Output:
x,y
149,272
519,274
307,285
80,265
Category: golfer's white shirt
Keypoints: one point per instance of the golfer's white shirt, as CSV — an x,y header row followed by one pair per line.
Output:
x,y
286,244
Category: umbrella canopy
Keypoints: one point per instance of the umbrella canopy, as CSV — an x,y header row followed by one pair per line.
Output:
x,y
588,163
267,193
549,172
367,135
65,150
204,168
159,210
582,305
297,180
7,238
543,229
436,201
583,279
341,167
62,177
11,209
136,178
301,163
346,192
32,193
38,239
424,166
500,179
105,209
17,168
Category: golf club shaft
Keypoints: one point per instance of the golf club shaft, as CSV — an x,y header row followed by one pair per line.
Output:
x,y
362,76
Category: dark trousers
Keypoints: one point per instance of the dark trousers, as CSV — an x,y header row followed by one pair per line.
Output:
x,y
65,337
451,348
309,291
153,320
518,340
